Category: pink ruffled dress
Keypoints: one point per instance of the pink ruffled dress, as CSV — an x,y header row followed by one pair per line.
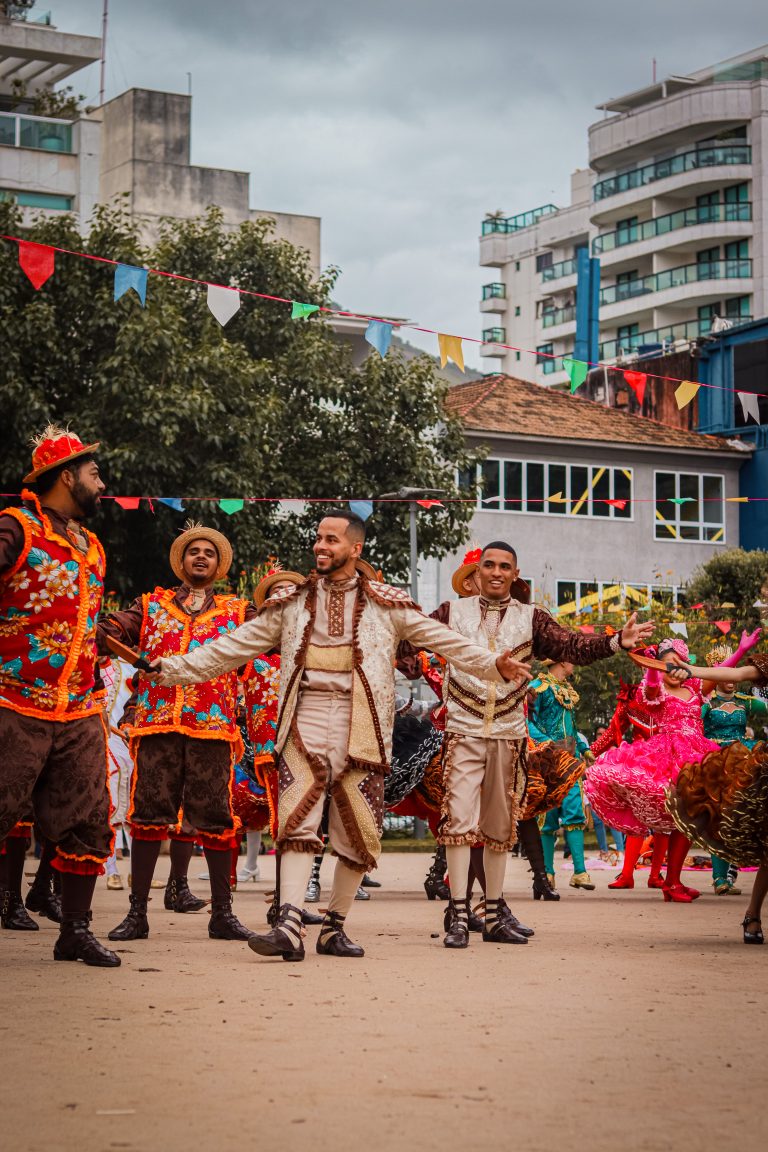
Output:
x,y
626,785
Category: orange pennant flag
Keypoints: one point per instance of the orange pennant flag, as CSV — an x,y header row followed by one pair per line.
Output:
x,y
450,349
686,392
723,626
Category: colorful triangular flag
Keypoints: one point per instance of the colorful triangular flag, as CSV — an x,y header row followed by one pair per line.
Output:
x,y
223,302
129,276
685,392
637,382
724,626
621,504
128,503
679,629
750,406
680,500
430,503
37,261
379,336
450,349
362,508
231,506
578,370
300,311
172,502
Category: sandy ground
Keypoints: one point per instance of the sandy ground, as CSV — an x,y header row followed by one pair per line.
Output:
x,y
625,1024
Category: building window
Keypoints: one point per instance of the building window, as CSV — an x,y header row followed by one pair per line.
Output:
x,y
626,230
627,336
517,355
737,194
708,207
551,489
585,596
689,506
750,374
737,308
37,199
544,260
517,265
517,309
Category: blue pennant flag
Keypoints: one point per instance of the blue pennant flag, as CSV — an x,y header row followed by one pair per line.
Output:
x,y
379,335
362,508
129,276
172,502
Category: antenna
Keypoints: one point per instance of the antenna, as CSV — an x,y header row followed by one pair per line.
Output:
x,y
104,21
654,70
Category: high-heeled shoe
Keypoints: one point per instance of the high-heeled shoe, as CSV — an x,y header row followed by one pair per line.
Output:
x,y
623,882
677,894
656,881
542,889
752,937
692,892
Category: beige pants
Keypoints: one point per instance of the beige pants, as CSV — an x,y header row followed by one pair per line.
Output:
x,y
313,770
484,784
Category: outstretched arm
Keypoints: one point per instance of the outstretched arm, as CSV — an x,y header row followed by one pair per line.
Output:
x,y
231,651
553,642
426,633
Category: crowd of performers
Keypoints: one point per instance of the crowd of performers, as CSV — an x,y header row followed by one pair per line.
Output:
x,y
201,717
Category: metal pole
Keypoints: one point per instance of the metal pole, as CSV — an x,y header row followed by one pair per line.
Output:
x,y
414,555
104,21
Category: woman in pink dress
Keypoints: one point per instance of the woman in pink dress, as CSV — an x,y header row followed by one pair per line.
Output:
x,y
627,785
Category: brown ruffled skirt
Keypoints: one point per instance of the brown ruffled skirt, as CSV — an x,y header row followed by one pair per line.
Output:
x,y
552,772
722,802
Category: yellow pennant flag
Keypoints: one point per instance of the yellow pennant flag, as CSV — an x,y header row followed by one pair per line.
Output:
x,y
450,349
686,392
557,498
736,500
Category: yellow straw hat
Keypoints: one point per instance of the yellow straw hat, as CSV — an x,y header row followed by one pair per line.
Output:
x,y
279,577
193,531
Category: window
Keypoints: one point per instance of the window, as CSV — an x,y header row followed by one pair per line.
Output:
x,y
750,374
37,199
708,207
626,230
517,309
737,308
627,285
689,506
517,355
706,262
585,596
627,336
553,489
544,260
517,265
737,250
737,194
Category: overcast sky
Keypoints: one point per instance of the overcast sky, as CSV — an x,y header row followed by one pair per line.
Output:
x,y
402,122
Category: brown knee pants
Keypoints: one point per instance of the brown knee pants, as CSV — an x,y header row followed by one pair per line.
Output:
x,y
484,784
174,770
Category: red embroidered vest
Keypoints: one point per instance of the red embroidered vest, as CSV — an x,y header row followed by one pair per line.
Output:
x,y
203,710
49,603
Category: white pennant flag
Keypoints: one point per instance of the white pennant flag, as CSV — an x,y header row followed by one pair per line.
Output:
x,y
679,629
223,302
750,406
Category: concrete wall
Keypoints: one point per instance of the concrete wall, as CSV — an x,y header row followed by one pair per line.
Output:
x,y
301,231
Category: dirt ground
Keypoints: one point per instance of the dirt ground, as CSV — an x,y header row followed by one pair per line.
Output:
x,y
625,1024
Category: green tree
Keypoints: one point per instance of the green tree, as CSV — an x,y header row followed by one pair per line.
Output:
x,y
732,577
268,407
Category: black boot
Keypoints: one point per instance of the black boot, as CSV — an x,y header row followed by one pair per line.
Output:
x,y
505,913
77,942
530,838
42,899
333,940
285,939
136,925
434,882
178,897
312,894
498,925
456,923
224,925
13,914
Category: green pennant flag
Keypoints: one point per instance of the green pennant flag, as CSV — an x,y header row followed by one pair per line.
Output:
x,y
680,499
231,506
578,370
301,311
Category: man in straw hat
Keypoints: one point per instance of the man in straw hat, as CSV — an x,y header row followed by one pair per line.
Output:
x,y
184,741
53,750
338,635
486,746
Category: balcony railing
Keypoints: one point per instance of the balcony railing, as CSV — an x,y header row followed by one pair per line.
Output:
x,y
660,225
559,316
557,271
494,336
672,166
515,223
675,277
494,291
688,330
35,132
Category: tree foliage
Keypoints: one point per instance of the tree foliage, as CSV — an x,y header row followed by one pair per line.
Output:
x,y
268,407
732,577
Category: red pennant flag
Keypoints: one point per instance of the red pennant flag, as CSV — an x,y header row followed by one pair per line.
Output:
x,y
588,628
129,503
37,261
695,607
637,382
617,503
724,626
429,504
610,631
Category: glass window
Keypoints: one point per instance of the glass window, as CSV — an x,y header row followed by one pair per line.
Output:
x,y
557,480
531,486
579,490
544,260
534,492
737,308
566,592
513,486
601,491
737,194
626,230
689,506
467,479
622,490
490,482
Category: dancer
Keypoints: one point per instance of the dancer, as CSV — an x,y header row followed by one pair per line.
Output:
x,y
52,739
486,744
551,717
183,743
338,634
116,676
627,785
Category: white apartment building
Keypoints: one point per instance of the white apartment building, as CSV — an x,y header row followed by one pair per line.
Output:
x,y
674,207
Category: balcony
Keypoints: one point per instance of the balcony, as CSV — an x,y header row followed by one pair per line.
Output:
x,y
675,278
39,132
674,165
558,271
494,298
688,330
492,339
661,225
515,223
559,316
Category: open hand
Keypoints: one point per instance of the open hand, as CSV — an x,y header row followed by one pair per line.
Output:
x,y
512,669
748,640
153,671
634,634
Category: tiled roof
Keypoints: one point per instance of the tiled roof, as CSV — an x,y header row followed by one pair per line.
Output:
x,y
517,407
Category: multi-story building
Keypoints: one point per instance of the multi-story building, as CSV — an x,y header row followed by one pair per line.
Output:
x,y
603,507
673,206
137,145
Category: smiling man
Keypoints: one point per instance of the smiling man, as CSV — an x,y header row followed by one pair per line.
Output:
x,y
183,741
338,633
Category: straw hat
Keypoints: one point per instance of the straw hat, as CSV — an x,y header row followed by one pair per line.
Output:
x,y
718,654
367,570
193,531
55,446
268,582
469,565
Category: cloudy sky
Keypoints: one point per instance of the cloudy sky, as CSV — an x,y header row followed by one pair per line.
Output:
x,y
402,122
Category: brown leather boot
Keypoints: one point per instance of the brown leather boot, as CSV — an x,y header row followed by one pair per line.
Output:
x,y
456,923
505,913
42,899
13,914
224,925
178,897
498,925
333,940
77,942
135,926
285,939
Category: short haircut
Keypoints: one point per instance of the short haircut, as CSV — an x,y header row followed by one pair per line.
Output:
x,y
355,523
501,546
44,483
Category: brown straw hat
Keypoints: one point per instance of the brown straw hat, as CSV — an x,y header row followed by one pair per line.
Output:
x,y
193,531
367,570
55,446
268,582
471,561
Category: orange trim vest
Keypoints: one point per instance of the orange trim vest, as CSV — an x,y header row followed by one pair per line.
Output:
x,y
205,710
49,604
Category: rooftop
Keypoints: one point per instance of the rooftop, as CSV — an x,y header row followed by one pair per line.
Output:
x,y
505,405
39,55
749,66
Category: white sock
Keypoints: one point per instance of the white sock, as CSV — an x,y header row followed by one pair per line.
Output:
x,y
295,868
458,857
346,882
495,864
111,865
253,843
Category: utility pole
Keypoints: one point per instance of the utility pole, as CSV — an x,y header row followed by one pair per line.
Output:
x,y
104,22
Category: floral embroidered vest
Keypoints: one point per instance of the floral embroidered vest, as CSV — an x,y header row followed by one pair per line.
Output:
x,y
261,684
49,604
206,710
